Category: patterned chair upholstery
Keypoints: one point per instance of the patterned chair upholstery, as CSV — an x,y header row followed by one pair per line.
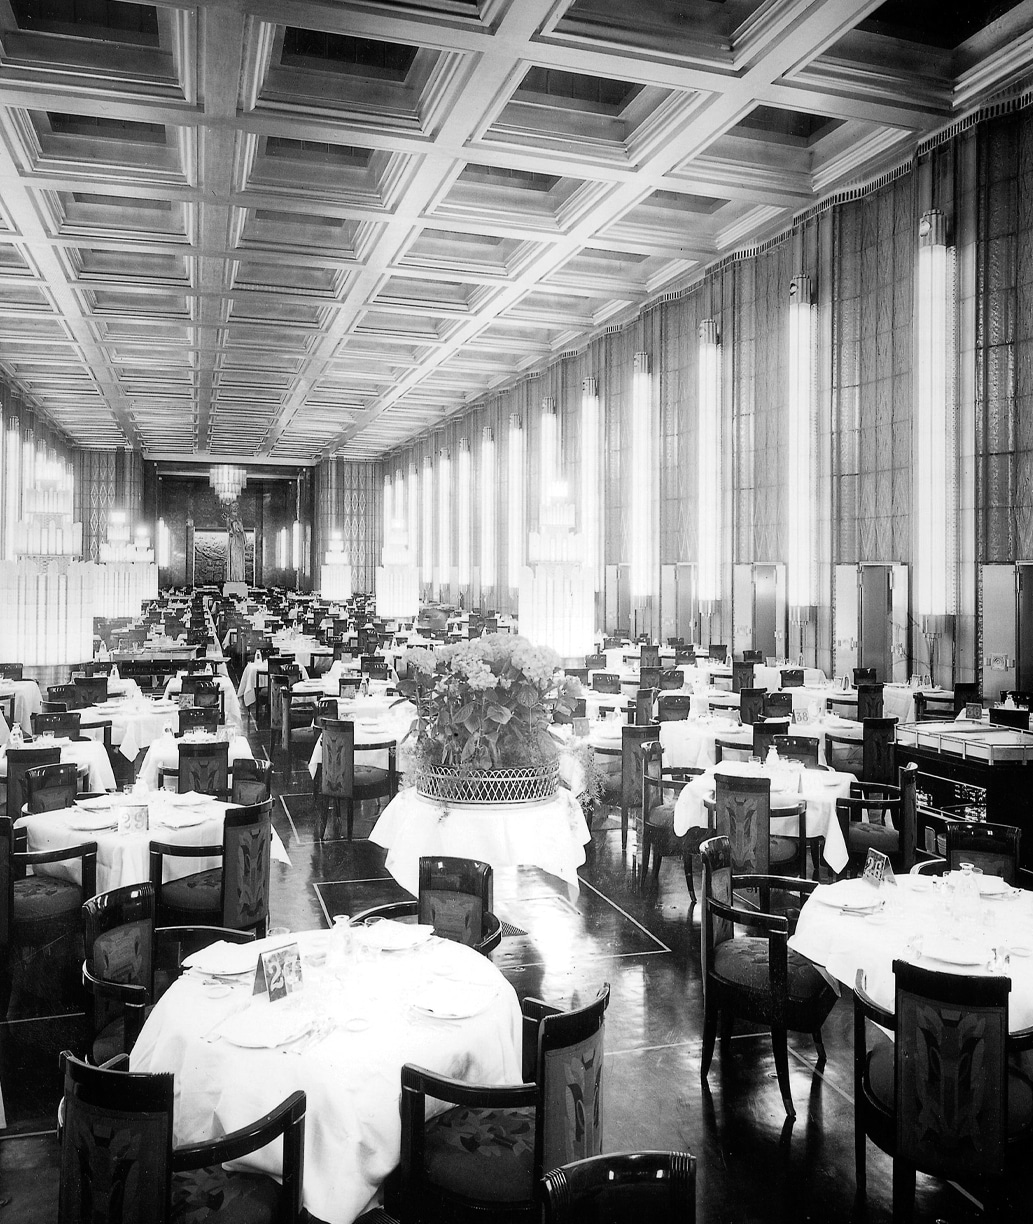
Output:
x,y
802,748
252,781
742,813
48,788
343,778
235,895
93,690
993,848
644,698
203,767
649,656
940,1097
118,1159
869,700
764,733
69,696
65,722
659,1186
606,682
671,678
778,705
756,977
862,819
742,676
659,795
751,705
19,762
485,1157
670,707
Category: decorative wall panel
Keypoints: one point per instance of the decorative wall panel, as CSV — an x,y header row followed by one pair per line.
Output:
x,y
349,499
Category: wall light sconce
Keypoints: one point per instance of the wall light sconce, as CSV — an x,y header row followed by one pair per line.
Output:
x,y
641,493
801,485
708,479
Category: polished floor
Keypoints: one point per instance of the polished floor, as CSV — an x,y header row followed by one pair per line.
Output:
x,y
753,1165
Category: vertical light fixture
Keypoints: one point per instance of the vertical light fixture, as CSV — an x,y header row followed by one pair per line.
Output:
x,y
296,545
549,450
708,477
427,522
516,527
933,430
463,515
164,545
444,479
641,492
801,519
412,510
388,500
488,519
590,476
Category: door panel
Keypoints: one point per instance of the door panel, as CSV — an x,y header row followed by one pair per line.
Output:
x,y
1003,638
765,612
899,634
876,609
845,630
687,627
742,607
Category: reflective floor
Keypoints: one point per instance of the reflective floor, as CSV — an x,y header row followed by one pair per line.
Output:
x,y
753,1165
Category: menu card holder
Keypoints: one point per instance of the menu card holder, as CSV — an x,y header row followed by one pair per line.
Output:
x,y
877,869
974,711
278,972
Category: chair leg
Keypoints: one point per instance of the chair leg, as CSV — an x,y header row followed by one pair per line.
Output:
x,y
860,1157
646,847
903,1190
781,1052
658,858
709,1037
687,866
819,1045
624,826
351,816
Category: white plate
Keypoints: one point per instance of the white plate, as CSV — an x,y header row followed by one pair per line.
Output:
x,y
222,959
955,951
265,1027
391,936
993,886
100,823
100,803
850,896
178,820
450,1000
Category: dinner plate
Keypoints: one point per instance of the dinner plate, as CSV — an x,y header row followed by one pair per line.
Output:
x,y
178,820
390,936
265,1027
99,803
92,824
451,1000
993,886
850,896
952,951
222,959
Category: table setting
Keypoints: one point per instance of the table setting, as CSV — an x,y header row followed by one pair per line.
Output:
x,y
356,1009
377,718
136,720
233,717
975,925
28,700
163,753
790,782
89,754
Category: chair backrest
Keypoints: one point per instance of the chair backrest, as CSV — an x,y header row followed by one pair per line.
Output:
x,y
69,695
753,656
19,762
751,705
864,675
373,665
671,678
116,1145
879,751
742,676
716,856
644,706
951,1071
252,781
622,1186
569,1075
632,739
792,677
247,834
764,734
649,677
672,706
577,673
778,705
717,650
94,689
606,682
194,718
843,753
993,848
742,813
966,692
204,768
65,723
48,788
730,750
1002,717
803,748
869,700
649,656
454,895
11,671
338,751
118,935
594,662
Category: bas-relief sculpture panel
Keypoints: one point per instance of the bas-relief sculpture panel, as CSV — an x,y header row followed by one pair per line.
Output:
x,y
211,557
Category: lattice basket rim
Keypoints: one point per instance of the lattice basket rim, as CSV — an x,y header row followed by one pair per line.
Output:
x,y
488,786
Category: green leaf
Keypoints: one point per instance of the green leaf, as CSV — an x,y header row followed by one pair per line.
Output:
x,y
499,714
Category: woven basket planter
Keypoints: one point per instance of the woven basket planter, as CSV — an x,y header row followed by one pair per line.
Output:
x,y
486,786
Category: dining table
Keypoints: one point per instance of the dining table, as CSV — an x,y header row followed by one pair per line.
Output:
x,y
87,753
790,783
163,753
692,742
400,994
853,924
123,855
28,700
377,718
136,720
232,715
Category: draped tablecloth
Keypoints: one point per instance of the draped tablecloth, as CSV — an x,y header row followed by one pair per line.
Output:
x,y
376,719
231,702
691,742
135,723
551,835
820,787
164,754
89,753
28,700
372,1024
915,924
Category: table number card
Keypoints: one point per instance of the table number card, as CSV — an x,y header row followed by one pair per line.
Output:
x,y
278,972
877,869
582,727
974,711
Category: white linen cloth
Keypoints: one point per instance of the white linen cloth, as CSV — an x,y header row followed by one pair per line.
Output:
x,y
124,858
28,700
820,787
376,720
301,647
898,700
135,722
915,923
351,1075
164,754
551,835
89,753
230,700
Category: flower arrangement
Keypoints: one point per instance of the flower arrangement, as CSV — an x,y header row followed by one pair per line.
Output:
x,y
484,704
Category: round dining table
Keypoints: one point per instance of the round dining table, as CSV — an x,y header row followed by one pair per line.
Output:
x,y
342,1038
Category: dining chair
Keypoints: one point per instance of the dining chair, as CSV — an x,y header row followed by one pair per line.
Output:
x,y
373,666
756,977
204,693
251,782
1003,717
644,700
742,813
202,767
299,729
577,673
753,656
486,1157
717,651
870,700
940,1095
778,705
341,777
19,762
879,750
606,682
966,692
993,848
64,723
49,788
751,705
11,671
118,1159
863,675
843,753
235,895
671,678
660,789
802,748
791,677
764,735
649,656
632,739
71,696
455,897
93,689
742,676
672,707
595,662
39,913
195,718
649,677
863,820
622,1188
932,708
731,750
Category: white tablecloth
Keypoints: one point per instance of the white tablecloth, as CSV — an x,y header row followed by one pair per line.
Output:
x,y
376,719
135,724
770,678
820,787
302,647
89,752
898,700
916,918
551,835
351,1077
124,858
28,700
164,754
230,700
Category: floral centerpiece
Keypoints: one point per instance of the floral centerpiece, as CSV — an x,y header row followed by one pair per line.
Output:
x,y
484,707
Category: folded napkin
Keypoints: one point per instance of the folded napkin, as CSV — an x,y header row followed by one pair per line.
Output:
x,y
224,958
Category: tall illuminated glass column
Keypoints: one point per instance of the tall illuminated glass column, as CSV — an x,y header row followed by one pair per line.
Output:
x,y
488,519
591,479
709,519
427,526
933,442
801,485
464,506
642,541
444,567
516,521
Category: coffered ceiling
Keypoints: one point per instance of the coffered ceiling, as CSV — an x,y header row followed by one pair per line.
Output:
x,y
286,229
